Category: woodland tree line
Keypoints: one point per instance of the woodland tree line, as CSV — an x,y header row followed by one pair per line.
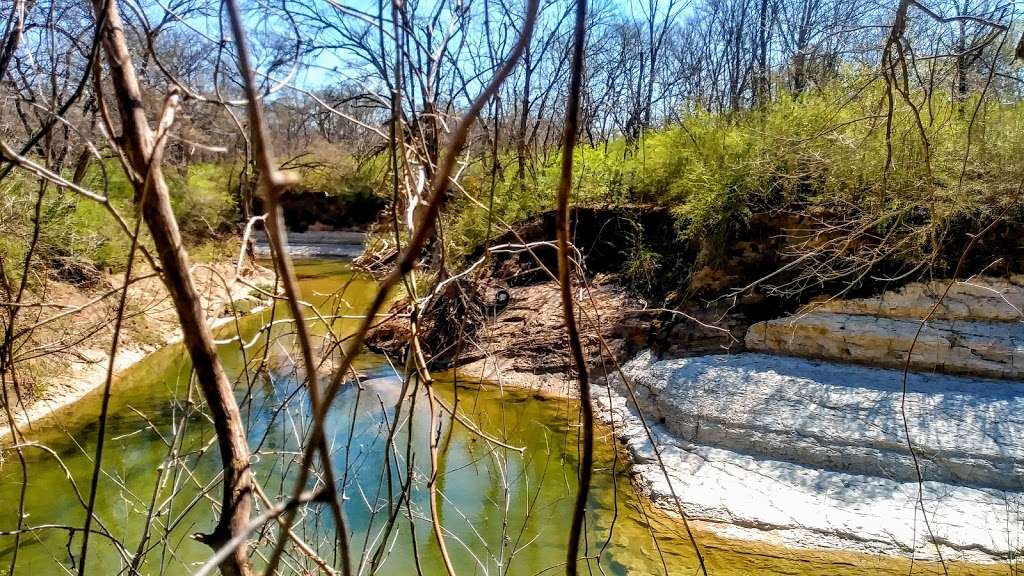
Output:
x,y
328,70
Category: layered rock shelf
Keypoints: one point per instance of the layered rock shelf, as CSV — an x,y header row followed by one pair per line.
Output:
x,y
316,244
990,349
980,299
843,418
815,453
968,328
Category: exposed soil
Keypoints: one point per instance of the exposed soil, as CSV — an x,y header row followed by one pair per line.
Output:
x,y
505,322
650,288
63,360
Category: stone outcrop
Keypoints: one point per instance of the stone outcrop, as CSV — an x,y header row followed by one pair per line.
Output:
x,y
316,243
974,330
824,440
980,299
989,349
842,418
812,453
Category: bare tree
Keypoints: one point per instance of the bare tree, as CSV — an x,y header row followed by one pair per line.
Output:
x,y
142,164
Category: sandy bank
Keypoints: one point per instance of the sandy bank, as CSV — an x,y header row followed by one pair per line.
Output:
x,y
79,344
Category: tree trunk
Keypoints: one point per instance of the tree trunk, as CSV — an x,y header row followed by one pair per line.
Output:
x,y
140,146
522,147
961,68
762,82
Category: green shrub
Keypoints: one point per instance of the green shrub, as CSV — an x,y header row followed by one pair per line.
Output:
x,y
826,148
203,200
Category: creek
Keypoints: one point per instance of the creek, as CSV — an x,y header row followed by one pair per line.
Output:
x,y
504,512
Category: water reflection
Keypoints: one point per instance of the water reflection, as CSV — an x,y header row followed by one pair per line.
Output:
x,y
504,512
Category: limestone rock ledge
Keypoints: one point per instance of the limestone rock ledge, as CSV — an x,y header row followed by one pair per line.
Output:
x,y
814,454
980,299
973,328
989,349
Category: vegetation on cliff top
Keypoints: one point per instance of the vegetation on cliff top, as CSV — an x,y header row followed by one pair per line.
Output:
x,y
821,155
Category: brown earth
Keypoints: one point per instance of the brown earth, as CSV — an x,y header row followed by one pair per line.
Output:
x,y
696,281
67,355
523,342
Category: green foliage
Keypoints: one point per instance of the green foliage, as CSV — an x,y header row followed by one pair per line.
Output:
x,y
334,174
202,200
80,233
825,148
204,196
641,267
353,186
86,231
74,231
214,250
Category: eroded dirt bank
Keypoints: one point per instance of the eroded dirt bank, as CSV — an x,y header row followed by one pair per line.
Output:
x,y
67,351
649,288
504,319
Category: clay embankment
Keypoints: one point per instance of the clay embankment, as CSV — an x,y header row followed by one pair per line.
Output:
x,y
67,355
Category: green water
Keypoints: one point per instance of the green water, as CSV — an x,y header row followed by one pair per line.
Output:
x,y
504,512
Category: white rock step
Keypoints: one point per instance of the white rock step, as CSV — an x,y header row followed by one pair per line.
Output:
x,y
840,417
787,503
982,299
989,349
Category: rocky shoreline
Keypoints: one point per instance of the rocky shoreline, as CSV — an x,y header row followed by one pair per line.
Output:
x,y
765,447
794,445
